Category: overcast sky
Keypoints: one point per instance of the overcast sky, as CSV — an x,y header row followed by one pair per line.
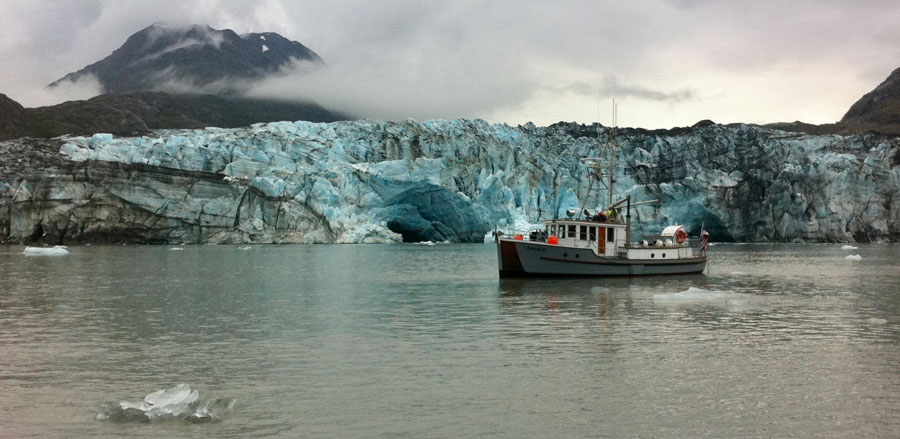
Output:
x,y
666,62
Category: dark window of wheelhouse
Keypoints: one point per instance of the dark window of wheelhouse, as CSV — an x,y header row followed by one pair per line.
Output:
x,y
610,234
593,233
572,230
582,233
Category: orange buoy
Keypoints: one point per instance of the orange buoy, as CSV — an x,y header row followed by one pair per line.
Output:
x,y
518,237
680,236
553,240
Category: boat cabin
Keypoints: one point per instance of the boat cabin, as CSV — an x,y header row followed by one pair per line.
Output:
x,y
604,238
610,239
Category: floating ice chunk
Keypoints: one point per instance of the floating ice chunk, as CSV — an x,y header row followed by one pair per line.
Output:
x,y
876,321
181,393
57,250
265,48
695,295
853,257
176,248
246,247
425,243
262,37
848,247
177,403
738,273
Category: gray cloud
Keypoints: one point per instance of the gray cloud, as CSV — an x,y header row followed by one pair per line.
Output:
x,y
677,61
611,87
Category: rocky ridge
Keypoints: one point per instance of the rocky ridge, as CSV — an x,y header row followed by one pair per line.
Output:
x,y
135,114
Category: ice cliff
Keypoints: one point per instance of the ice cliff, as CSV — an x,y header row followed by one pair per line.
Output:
x,y
368,181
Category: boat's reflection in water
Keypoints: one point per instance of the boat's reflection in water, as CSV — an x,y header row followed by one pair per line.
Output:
x,y
508,287
594,295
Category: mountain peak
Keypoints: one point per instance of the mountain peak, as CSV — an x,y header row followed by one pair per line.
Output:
x,y
160,55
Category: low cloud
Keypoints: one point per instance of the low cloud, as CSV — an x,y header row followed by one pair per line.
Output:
x,y
611,87
85,87
396,89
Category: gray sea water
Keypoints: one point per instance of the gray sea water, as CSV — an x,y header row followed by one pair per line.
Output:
x,y
424,341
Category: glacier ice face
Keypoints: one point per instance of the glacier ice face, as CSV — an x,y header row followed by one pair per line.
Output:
x,y
440,180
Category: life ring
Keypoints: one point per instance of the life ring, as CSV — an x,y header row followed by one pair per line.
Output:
x,y
680,236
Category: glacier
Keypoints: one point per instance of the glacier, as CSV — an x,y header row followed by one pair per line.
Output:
x,y
440,180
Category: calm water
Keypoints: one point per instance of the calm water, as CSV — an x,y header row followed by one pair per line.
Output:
x,y
424,341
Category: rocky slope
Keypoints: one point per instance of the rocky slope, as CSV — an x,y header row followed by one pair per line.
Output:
x,y
439,180
878,110
138,113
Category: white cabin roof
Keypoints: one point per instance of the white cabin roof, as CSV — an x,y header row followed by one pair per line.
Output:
x,y
670,230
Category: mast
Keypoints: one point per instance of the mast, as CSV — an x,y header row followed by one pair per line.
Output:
x,y
595,164
613,142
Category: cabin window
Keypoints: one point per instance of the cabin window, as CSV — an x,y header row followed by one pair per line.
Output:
x,y
582,233
562,232
553,230
610,234
593,233
572,230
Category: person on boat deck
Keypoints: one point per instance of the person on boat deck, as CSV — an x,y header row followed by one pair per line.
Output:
x,y
600,216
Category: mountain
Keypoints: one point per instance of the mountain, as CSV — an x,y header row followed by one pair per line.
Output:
x,y
879,109
135,114
162,57
370,181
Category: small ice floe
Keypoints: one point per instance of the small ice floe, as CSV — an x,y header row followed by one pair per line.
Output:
x,y
176,249
853,257
425,243
56,250
246,247
876,321
848,247
702,297
179,403
738,273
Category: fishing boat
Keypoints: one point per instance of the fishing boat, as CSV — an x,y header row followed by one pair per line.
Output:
x,y
600,243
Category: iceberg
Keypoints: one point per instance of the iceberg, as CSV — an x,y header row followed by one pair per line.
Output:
x,y
848,247
853,257
440,180
178,403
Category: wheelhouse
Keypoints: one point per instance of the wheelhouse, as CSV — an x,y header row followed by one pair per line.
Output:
x,y
604,238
